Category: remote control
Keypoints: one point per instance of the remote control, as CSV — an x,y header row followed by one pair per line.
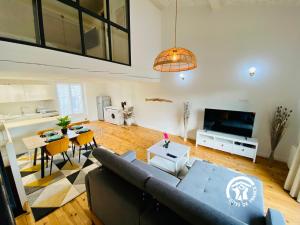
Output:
x,y
172,156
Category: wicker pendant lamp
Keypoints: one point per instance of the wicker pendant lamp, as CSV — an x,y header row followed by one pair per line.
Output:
x,y
175,59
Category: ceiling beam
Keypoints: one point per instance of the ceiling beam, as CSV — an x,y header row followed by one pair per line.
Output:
x,y
215,4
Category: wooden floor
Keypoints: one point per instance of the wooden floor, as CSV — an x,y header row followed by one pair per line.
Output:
x,y
122,139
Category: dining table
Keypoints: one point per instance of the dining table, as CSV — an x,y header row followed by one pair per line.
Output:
x,y
37,142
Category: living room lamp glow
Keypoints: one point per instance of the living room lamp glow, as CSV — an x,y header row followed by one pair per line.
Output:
x,y
252,71
175,59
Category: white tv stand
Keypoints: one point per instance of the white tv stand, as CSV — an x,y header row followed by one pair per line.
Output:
x,y
233,144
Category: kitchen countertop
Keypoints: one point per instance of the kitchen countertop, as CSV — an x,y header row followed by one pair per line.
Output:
x,y
28,122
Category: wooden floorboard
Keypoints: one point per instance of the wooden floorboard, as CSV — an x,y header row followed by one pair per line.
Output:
x,y
121,139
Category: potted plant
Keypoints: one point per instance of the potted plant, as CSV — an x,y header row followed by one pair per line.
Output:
x,y
63,122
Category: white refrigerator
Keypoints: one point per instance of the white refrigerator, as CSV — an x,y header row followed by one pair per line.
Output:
x,y
102,102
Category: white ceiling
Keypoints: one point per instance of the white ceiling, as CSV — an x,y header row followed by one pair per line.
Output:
x,y
217,4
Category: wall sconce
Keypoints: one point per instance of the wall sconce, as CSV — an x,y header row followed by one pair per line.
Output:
x,y
181,76
252,71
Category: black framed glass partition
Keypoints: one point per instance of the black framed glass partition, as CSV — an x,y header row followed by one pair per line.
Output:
x,y
120,50
95,37
118,12
61,26
96,6
18,21
93,28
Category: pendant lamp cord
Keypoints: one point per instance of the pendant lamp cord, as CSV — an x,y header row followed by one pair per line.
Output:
x,y
176,24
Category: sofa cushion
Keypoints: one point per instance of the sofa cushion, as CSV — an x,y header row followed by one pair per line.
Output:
x,y
208,182
121,167
112,199
157,173
193,211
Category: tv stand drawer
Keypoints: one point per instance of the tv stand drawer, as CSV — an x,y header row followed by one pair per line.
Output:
x,y
227,147
205,141
244,151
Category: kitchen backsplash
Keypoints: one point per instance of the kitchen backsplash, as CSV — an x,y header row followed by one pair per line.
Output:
x,y
16,108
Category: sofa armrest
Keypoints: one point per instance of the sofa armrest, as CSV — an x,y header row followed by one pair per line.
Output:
x,y
129,156
274,217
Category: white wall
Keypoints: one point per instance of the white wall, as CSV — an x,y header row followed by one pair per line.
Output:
x,y
23,62
16,60
227,42
146,34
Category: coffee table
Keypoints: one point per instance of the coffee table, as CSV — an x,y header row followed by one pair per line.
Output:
x,y
158,156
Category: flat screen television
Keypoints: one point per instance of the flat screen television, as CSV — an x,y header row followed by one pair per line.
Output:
x,y
231,122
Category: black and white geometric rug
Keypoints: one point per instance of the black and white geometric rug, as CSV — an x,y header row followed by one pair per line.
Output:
x,y
64,184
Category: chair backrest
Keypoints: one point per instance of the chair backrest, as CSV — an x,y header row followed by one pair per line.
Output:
x,y
78,123
41,132
58,146
85,138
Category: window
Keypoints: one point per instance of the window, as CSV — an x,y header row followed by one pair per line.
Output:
x,y
118,13
17,20
92,28
61,26
95,37
70,97
96,6
119,45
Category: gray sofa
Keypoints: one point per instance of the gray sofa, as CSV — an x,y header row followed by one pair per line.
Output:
x,y
126,191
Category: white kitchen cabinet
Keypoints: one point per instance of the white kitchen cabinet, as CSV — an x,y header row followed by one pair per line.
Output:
x,y
16,92
11,93
3,93
38,92
22,93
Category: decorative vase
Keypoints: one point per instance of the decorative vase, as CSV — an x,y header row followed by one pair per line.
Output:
x,y
278,127
271,157
166,144
64,131
186,116
128,122
167,140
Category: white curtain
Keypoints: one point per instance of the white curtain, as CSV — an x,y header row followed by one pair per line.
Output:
x,y
70,97
292,182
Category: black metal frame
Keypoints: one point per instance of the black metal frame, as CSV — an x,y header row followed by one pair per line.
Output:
x,y
10,203
38,18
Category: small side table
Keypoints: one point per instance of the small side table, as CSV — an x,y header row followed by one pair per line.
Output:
x,y
163,161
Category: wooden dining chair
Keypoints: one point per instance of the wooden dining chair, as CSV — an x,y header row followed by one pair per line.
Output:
x,y
78,123
83,140
41,132
58,147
